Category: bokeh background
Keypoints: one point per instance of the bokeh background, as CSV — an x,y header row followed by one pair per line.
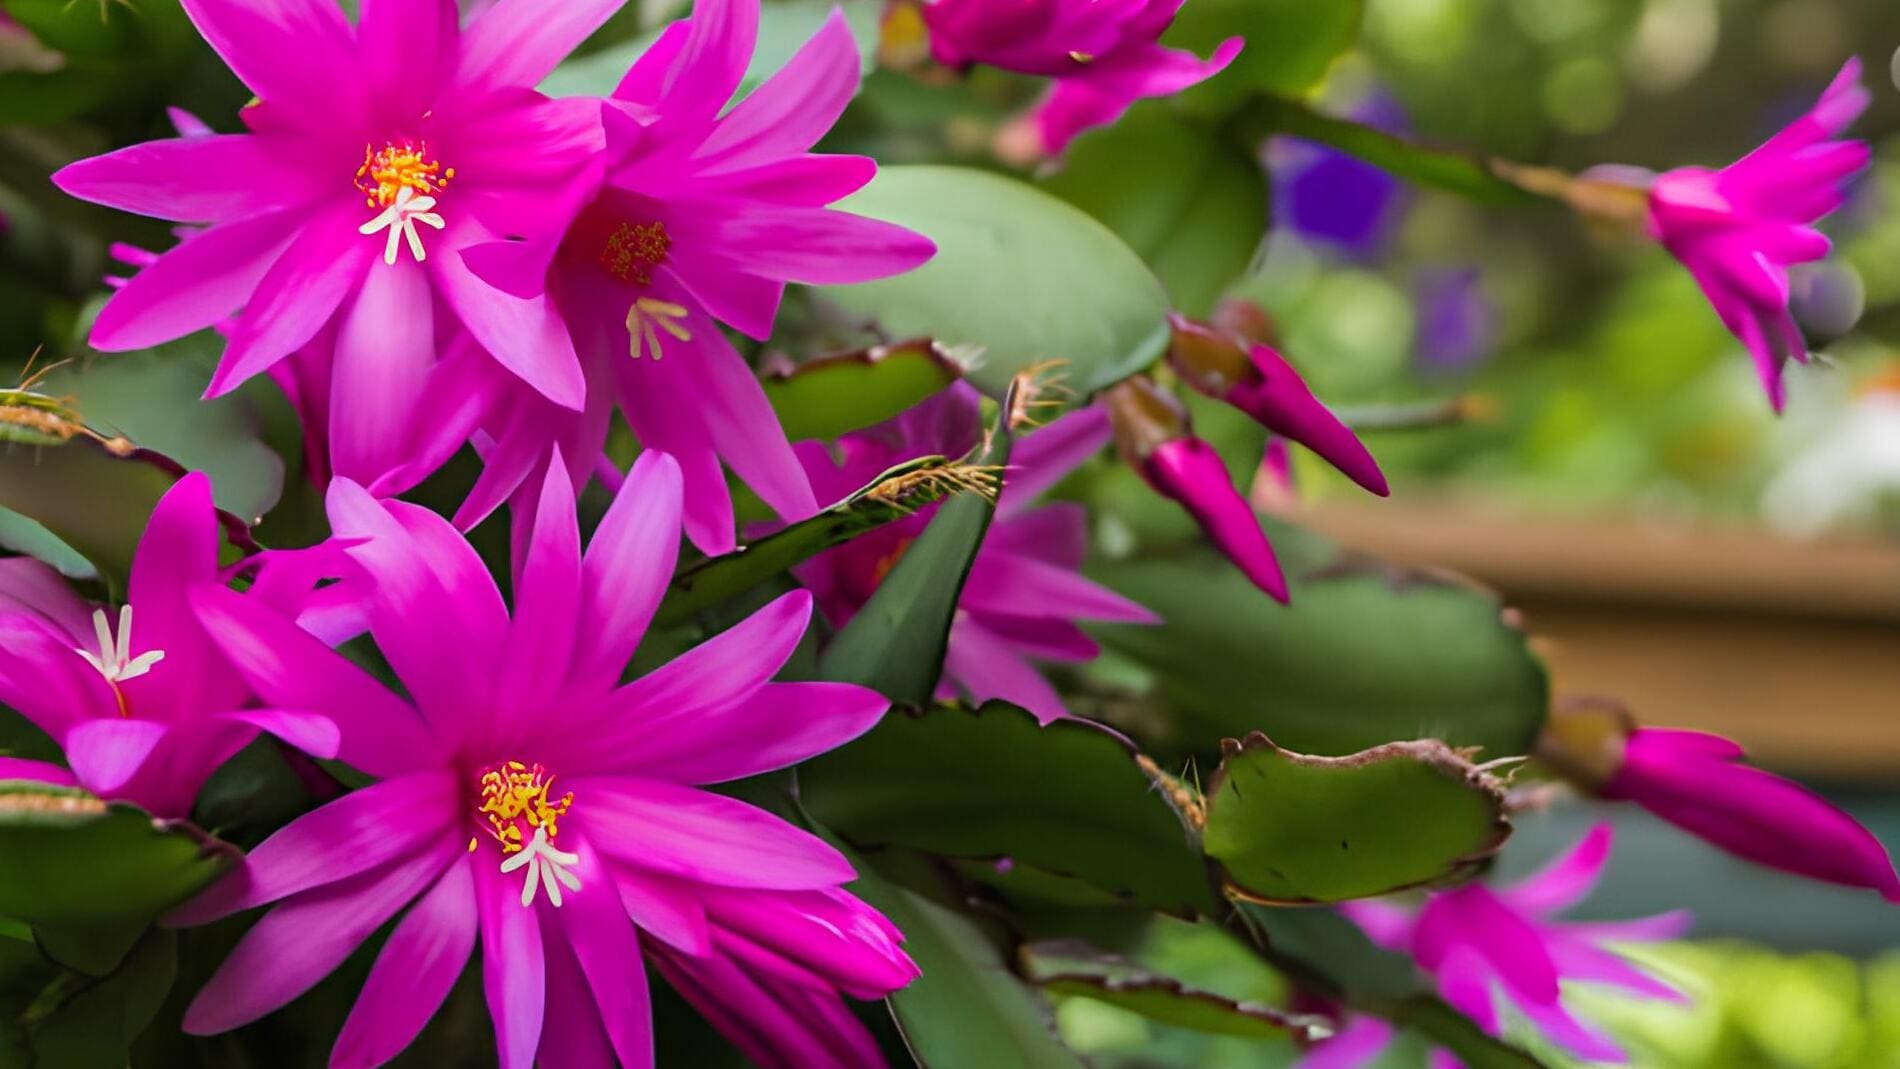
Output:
x,y
1604,455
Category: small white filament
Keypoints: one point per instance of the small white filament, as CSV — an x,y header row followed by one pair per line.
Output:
x,y
114,659
547,867
400,220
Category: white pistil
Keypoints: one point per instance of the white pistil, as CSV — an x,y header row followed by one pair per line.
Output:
x,y
547,867
645,315
400,220
115,660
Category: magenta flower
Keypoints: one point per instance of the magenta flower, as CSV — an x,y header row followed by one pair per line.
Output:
x,y
1738,229
140,699
527,797
1479,943
1103,54
1695,781
1025,592
376,154
702,217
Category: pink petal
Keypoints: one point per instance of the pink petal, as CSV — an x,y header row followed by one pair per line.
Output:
x,y
572,1033
665,908
436,614
413,974
385,347
199,179
779,1026
1189,471
106,753
717,673
363,830
45,680
603,939
254,37
731,405
406,48
380,734
1280,401
1009,584
313,733
1566,881
985,666
302,290
301,941
1362,1040
207,277
525,335
514,976
696,835
776,726
547,593
816,246
712,59
1515,949
662,423
30,586
628,566
794,107
1044,456
519,42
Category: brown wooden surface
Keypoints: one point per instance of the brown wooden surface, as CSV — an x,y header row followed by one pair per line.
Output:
x,y
1793,648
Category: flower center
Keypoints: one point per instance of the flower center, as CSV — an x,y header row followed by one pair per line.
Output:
x,y
402,180
633,250
522,814
397,166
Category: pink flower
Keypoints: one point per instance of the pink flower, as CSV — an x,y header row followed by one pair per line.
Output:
x,y
1024,594
1479,943
526,797
143,703
1103,54
1738,229
702,216
375,155
1695,781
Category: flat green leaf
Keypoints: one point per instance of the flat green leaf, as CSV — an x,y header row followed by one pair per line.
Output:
x,y
834,395
1072,967
1331,955
1193,204
72,858
1072,798
1290,45
897,493
1462,173
1022,274
96,1025
1290,828
1429,657
967,1009
896,642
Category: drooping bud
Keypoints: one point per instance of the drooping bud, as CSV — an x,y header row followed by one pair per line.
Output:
x,y
1258,381
1697,782
1155,438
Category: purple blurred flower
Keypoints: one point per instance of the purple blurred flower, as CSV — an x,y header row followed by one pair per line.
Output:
x,y
1456,322
1479,944
1025,592
1737,229
702,216
1103,54
527,797
1695,781
141,700
1328,197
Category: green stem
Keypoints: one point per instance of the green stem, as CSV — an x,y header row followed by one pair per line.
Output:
x,y
1465,174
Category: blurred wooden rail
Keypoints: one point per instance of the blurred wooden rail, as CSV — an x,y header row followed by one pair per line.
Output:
x,y
1791,647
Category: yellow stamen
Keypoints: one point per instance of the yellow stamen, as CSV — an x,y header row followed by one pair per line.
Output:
x,y
397,166
648,313
513,794
634,250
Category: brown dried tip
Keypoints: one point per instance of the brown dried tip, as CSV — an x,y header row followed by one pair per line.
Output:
x,y
1583,740
1037,391
1144,417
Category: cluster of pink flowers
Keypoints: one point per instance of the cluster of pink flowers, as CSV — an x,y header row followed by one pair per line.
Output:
x,y
425,252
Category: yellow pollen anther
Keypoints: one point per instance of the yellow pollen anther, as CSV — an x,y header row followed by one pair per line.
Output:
x,y
634,250
649,313
397,166
514,794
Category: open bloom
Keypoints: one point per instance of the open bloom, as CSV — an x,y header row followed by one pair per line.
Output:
x,y
375,154
1479,944
702,217
1103,54
142,702
526,797
1024,594
1738,229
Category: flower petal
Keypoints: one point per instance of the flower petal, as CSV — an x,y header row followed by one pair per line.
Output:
x,y
255,37
985,666
628,565
299,294
1189,471
603,939
792,109
698,835
514,974
776,726
199,179
1564,882
519,42
548,593
413,974
106,753
207,277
